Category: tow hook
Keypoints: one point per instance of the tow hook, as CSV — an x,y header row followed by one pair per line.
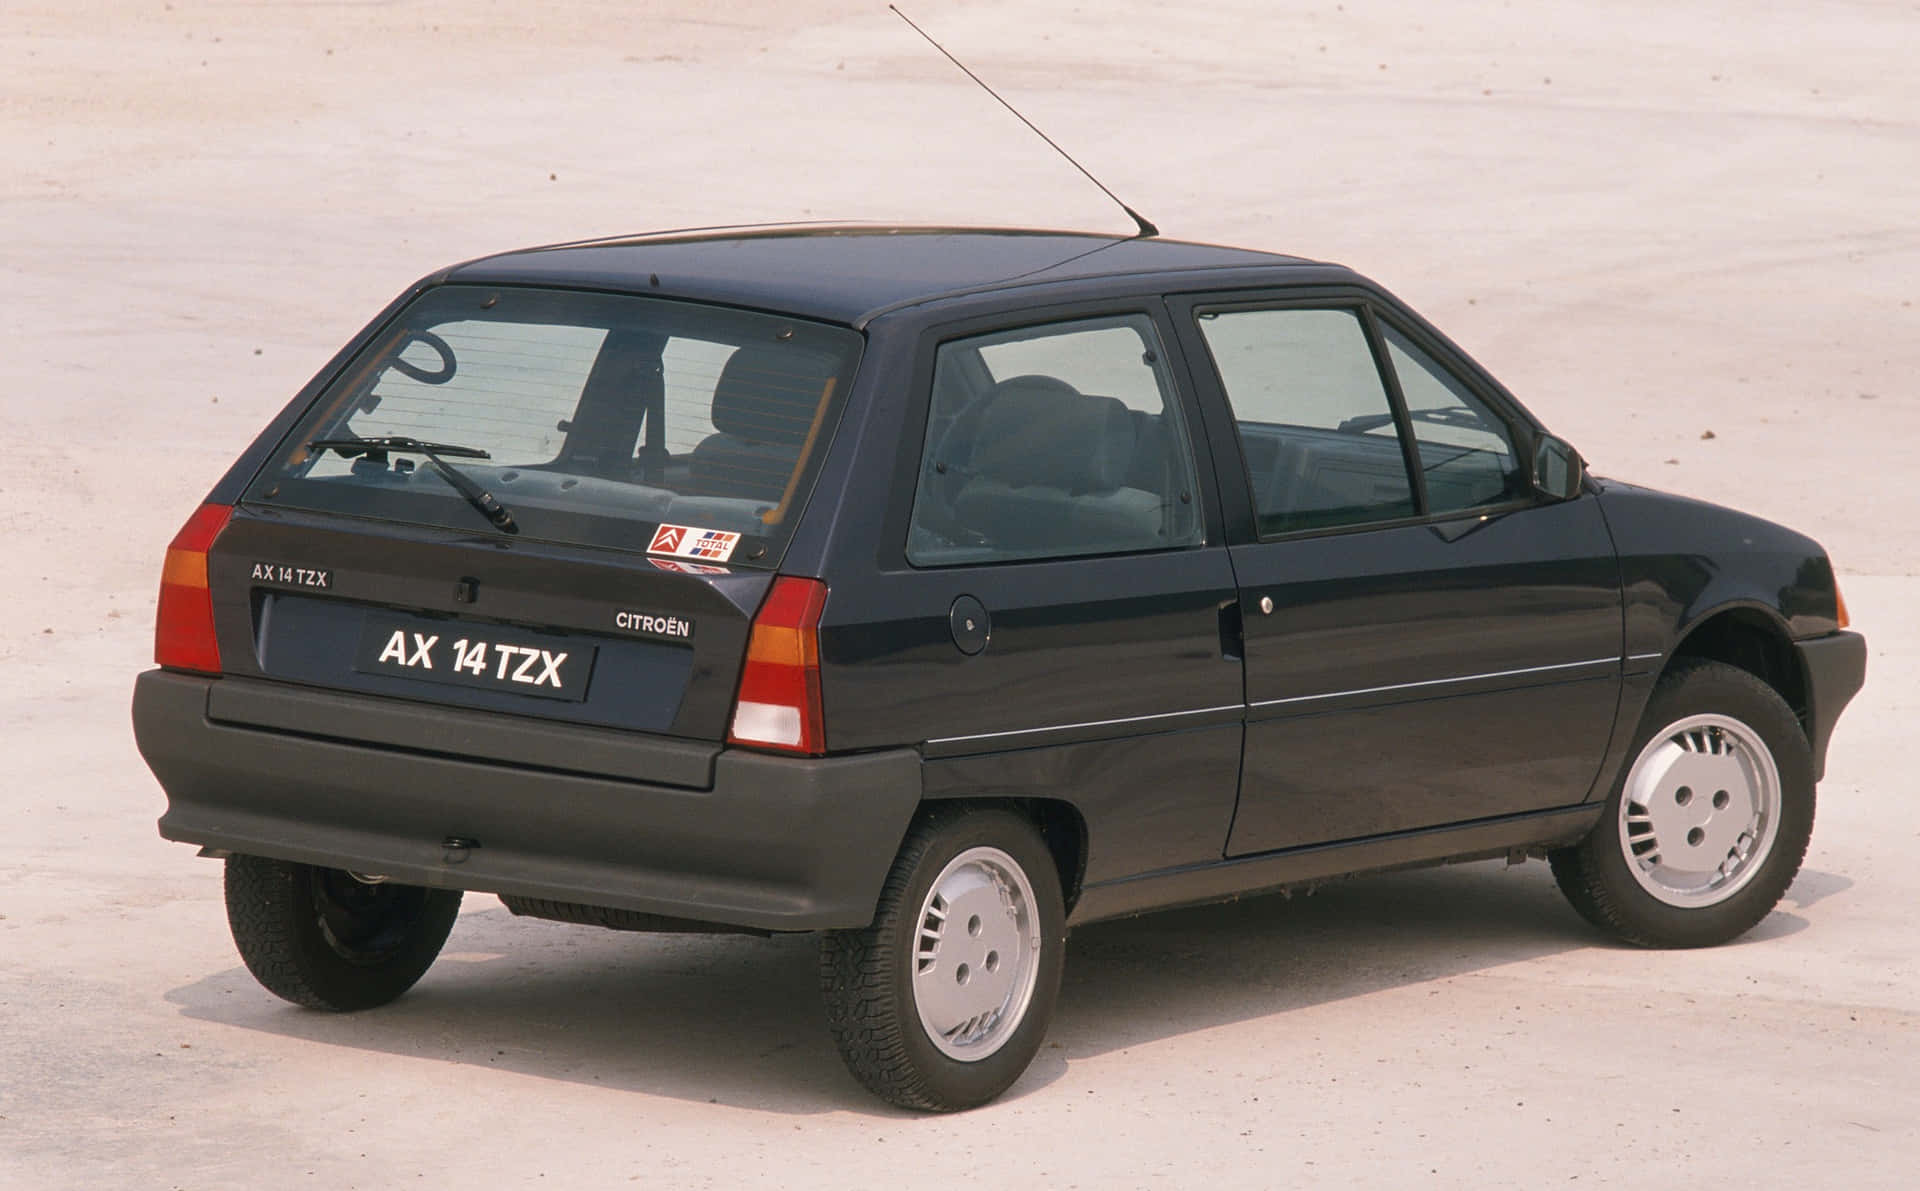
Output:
x,y
455,848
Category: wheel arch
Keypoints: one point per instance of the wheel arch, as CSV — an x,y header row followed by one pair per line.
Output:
x,y
1750,637
1061,826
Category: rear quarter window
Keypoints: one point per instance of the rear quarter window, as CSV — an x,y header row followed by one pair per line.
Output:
x,y
1066,441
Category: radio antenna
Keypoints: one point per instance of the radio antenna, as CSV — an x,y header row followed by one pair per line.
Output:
x,y
1146,227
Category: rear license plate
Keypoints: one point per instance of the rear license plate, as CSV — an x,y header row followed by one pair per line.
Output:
x,y
470,655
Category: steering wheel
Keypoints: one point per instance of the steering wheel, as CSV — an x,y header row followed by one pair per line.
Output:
x,y
418,373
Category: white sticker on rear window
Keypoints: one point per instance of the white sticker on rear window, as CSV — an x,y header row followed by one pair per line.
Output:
x,y
687,541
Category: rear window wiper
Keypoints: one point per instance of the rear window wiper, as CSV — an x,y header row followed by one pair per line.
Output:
x,y
381,446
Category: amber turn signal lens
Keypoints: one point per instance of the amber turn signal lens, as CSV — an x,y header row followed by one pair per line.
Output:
x,y
779,701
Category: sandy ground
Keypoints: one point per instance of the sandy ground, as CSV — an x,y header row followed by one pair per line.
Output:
x,y
1652,220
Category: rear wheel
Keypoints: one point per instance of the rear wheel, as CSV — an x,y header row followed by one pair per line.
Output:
x,y
1707,827
326,939
943,1001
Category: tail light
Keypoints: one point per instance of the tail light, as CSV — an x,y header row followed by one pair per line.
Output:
x,y
779,701
183,630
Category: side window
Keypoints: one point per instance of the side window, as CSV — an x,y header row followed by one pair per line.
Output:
x,y
1465,451
1097,360
1053,441
1315,422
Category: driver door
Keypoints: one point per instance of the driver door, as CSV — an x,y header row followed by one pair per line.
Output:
x,y
1427,641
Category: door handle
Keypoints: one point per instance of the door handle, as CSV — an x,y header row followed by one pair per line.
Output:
x,y
1231,640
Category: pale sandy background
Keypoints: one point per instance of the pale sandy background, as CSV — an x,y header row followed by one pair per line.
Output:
x,y
1652,220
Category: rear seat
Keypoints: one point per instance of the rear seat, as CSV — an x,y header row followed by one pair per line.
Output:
x,y
1049,471
1151,447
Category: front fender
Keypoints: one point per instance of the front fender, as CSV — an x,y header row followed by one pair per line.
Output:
x,y
1683,561
1685,564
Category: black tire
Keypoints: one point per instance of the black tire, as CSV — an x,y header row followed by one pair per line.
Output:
x,y
322,938
868,976
1595,874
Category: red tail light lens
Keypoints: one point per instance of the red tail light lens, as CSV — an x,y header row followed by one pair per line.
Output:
x,y
183,630
779,702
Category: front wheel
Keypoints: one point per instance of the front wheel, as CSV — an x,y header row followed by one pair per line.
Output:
x,y
326,939
942,1003
1708,825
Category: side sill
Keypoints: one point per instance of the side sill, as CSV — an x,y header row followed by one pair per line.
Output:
x,y
1241,876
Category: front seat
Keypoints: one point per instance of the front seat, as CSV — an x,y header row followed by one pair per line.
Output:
x,y
763,412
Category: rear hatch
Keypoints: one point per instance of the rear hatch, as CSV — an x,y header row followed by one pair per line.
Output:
x,y
532,629
558,505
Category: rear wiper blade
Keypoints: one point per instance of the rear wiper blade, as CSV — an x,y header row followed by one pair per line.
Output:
x,y
380,446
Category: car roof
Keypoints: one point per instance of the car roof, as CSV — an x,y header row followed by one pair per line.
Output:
x,y
848,272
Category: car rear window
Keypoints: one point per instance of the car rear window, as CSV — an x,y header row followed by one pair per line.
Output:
x,y
603,419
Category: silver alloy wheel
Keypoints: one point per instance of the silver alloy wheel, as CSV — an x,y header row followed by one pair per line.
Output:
x,y
976,954
1700,811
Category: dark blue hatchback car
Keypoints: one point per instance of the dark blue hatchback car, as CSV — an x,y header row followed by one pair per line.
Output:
x,y
936,590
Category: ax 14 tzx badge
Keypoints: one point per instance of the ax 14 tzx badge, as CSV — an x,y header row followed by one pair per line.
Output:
x,y
295,576
475,656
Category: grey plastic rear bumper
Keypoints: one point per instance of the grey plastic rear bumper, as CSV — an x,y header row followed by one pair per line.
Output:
x,y
577,815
